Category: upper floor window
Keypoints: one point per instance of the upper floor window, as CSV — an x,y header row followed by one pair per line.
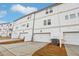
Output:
x,y
27,24
10,24
78,14
23,25
51,11
46,12
72,16
66,17
49,21
27,17
10,29
44,22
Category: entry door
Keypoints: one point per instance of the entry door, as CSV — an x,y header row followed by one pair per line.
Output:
x,y
71,38
42,37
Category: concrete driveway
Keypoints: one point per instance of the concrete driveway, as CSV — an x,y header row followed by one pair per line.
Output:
x,y
20,49
72,50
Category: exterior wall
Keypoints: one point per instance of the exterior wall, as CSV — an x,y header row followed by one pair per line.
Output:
x,y
20,28
59,24
69,25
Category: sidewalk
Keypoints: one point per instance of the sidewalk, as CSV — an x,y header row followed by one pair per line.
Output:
x,y
72,50
20,49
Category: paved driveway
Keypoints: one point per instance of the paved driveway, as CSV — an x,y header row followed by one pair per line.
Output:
x,y
20,49
72,50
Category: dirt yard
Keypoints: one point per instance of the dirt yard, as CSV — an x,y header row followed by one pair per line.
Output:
x,y
51,50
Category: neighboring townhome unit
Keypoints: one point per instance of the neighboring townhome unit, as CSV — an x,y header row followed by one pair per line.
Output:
x,y
23,27
6,29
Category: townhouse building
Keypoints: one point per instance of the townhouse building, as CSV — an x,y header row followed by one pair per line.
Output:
x,y
6,29
60,20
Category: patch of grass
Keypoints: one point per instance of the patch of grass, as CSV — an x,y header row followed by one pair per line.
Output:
x,y
51,50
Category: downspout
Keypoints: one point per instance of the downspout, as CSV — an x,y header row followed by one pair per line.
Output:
x,y
32,39
60,40
12,32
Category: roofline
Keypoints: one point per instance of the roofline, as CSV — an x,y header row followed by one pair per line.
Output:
x,y
3,23
54,4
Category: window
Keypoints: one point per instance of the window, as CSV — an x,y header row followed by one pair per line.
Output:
x,y
72,16
16,27
51,11
10,29
10,24
27,24
78,15
27,17
23,25
46,12
44,22
66,17
49,21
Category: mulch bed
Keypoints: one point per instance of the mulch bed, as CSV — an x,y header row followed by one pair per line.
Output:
x,y
5,38
51,50
10,41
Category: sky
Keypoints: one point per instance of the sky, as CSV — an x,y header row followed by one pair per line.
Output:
x,y
12,11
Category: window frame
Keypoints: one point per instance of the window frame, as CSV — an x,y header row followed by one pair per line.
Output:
x,y
71,16
45,22
66,17
27,25
78,15
49,21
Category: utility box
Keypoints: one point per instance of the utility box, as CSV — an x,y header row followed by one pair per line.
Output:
x,y
55,41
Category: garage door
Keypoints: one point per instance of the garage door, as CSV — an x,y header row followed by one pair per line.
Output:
x,y
71,38
42,37
22,36
25,36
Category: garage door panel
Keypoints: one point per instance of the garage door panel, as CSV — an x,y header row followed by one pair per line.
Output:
x,y
42,37
25,36
22,36
71,38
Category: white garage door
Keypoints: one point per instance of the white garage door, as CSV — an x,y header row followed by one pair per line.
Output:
x,y
22,36
42,37
25,36
71,38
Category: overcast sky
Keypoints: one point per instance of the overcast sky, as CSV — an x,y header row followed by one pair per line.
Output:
x,y
10,12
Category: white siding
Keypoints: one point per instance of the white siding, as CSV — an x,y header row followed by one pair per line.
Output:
x,y
58,26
